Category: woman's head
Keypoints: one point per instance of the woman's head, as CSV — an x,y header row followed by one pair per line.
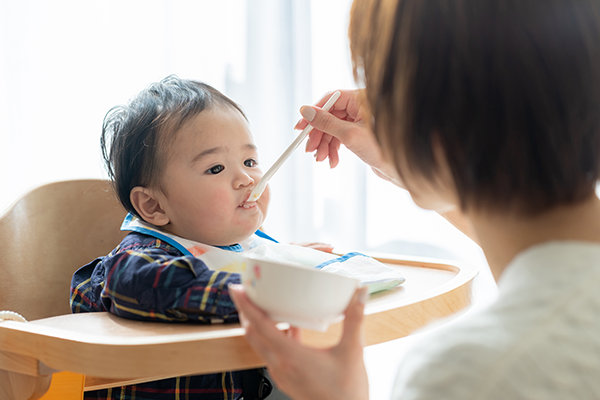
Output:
x,y
508,91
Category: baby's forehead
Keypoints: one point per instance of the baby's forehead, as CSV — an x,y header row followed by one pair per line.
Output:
x,y
216,113
214,126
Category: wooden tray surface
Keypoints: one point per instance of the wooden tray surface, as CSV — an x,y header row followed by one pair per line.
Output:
x,y
108,349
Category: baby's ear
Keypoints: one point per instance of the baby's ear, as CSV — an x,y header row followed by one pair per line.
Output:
x,y
147,205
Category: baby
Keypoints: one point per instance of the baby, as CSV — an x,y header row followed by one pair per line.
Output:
x,y
183,163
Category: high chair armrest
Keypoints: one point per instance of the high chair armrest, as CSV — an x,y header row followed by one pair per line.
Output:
x,y
107,346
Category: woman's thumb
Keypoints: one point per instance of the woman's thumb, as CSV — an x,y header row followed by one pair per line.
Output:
x,y
354,318
324,121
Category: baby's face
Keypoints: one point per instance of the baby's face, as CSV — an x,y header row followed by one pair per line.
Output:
x,y
212,167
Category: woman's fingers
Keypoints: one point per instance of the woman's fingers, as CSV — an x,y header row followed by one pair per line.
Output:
x,y
356,136
342,106
323,150
295,333
334,157
349,351
352,334
324,121
302,372
332,128
314,139
261,332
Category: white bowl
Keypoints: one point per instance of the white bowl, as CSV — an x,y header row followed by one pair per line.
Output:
x,y
301,296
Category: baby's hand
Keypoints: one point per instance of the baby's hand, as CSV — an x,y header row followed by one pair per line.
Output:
x,y
327,248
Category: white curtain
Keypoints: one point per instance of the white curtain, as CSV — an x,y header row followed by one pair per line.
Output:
x,y
65,63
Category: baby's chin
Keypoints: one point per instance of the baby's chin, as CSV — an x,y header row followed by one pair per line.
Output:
x,y
237,232
234,238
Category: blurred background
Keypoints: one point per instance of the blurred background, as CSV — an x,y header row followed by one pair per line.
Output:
x,y
65,63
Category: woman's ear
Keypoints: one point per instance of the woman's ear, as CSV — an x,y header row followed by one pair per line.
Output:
x,y
148,207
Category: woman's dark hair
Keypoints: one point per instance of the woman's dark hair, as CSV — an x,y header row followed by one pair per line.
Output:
x,y
135,136
509,89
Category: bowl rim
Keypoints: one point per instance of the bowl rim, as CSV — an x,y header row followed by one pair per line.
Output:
x,y
310,270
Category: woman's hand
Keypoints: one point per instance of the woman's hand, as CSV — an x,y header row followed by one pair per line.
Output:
x,y
344,124
302,372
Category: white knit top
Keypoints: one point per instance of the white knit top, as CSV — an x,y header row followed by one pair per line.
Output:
x,y
539,340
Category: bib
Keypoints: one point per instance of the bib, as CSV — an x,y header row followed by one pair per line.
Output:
x,y
372,273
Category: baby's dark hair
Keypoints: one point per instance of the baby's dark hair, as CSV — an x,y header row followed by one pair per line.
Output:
x,y
134,135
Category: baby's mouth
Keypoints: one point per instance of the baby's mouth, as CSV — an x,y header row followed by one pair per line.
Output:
x,y
248,204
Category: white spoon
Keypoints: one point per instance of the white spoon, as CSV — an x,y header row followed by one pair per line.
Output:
x,y
262,184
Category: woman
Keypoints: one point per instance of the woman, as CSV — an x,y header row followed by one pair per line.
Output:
x,y
490,108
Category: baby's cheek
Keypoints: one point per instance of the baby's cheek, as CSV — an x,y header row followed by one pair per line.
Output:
x,y
215,205
223,200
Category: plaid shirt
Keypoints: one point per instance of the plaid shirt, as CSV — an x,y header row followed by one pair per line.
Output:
x,y
147,279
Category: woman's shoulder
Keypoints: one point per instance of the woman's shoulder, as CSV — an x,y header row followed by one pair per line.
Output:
x,y
510,349
453,357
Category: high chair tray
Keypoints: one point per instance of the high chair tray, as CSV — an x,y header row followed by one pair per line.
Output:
x,y
113,351
433,289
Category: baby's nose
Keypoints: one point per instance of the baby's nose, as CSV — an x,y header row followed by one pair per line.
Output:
x,y
244,180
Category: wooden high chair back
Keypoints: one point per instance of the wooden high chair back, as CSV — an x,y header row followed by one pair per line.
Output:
x,y
47,235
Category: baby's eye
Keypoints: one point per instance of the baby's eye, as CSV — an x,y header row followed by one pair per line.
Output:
x,y
216,169
251,163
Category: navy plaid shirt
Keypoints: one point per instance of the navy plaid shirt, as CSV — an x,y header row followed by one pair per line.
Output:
x,y
147,279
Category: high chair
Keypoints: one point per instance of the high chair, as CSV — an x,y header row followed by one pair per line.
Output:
x,y
47,235
55,229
